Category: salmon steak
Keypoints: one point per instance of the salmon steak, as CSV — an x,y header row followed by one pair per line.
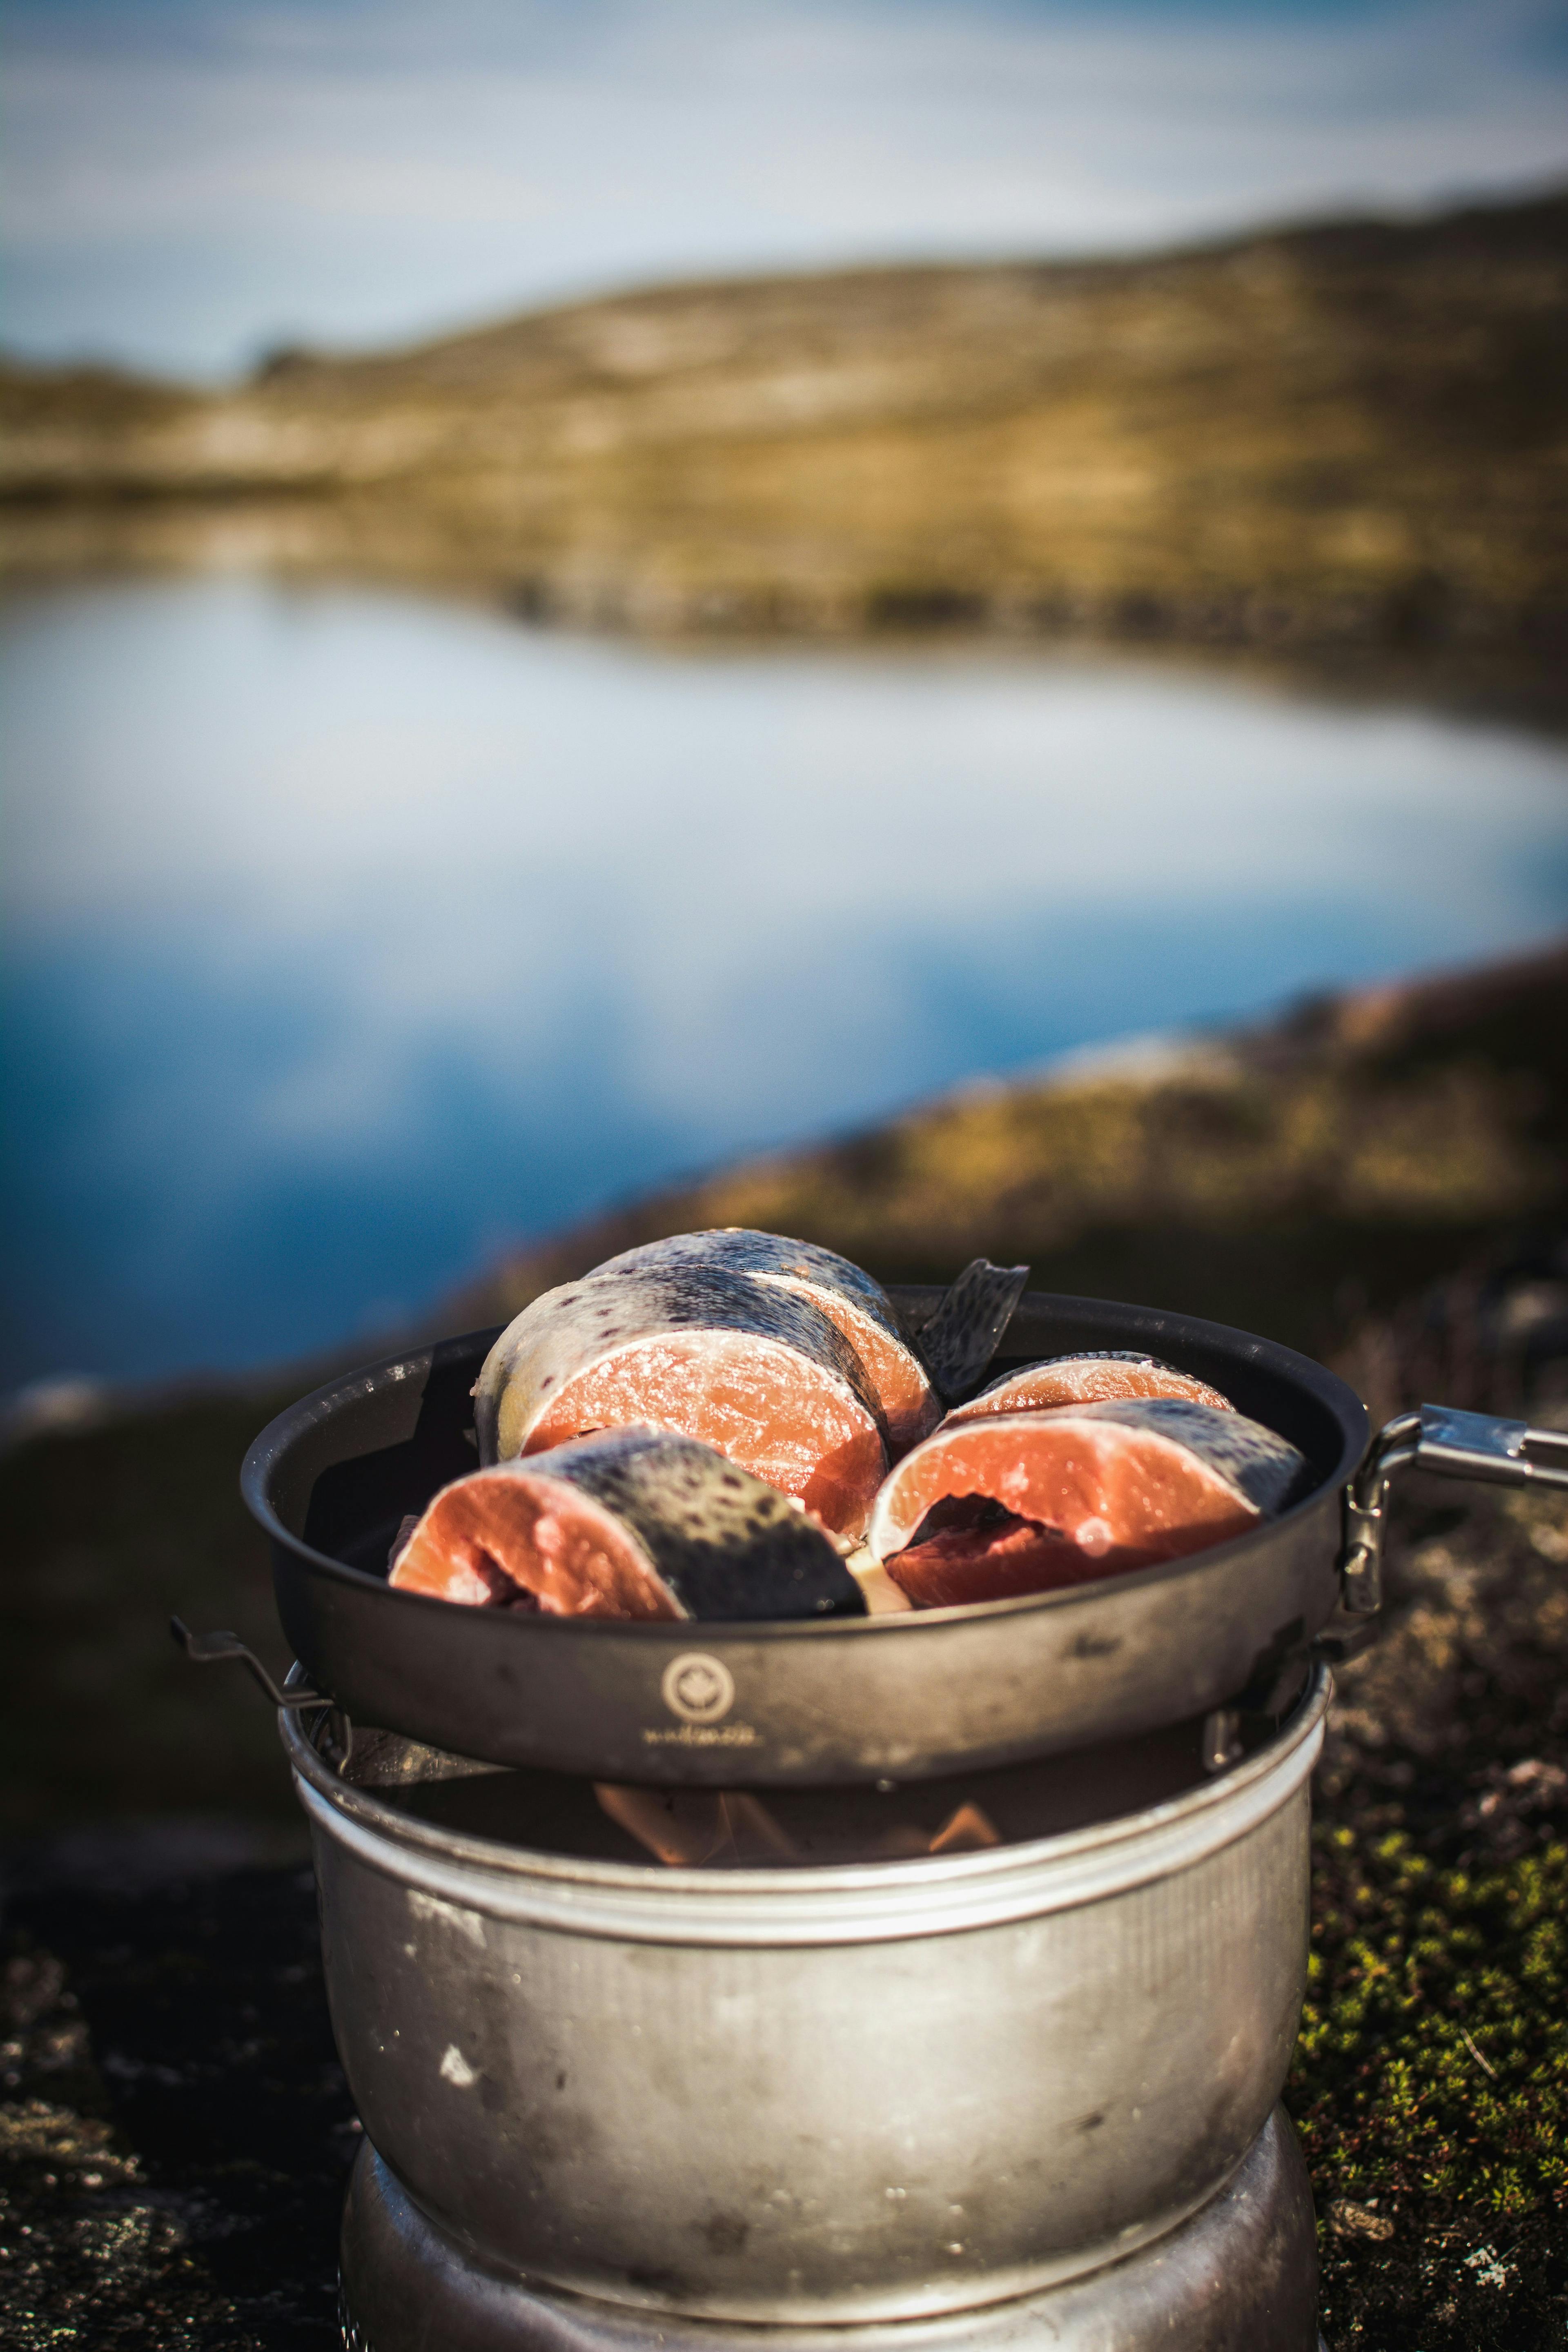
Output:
x,y
850,1298
1009,1504
747,1367
631,1523
1097,1377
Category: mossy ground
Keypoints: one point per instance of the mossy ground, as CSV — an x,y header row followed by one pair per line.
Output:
x,y
176,2129
1430,2081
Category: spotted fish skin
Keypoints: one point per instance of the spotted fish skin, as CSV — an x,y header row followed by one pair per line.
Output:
x,y
962,1335
1262,1467
694,1537
728,1546
1090,1376
852,1298
564,1331
744,1366
772,1257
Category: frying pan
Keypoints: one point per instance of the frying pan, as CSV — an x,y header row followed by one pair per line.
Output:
x,y
838,1699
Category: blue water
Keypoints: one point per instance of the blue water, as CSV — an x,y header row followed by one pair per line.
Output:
x,y
351,937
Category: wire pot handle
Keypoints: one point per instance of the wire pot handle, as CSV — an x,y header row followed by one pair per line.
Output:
x,y
217,1649
1453,1445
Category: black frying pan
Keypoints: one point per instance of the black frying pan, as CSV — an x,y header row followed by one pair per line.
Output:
x,y
844,1699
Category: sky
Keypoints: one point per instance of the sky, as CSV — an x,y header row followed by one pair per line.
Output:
x,y
189,183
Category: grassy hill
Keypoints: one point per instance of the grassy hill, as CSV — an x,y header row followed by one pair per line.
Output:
x,y
1352,432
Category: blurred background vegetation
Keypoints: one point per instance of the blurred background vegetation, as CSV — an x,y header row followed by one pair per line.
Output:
x,y
1347,439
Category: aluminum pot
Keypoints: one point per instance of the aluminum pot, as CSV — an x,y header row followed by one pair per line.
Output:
x,y
1240,2276
820,2094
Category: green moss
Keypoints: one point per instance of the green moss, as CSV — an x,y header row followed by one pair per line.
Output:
x,y
1433,2059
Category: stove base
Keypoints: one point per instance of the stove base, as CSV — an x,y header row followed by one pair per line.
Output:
x,y
1239,2276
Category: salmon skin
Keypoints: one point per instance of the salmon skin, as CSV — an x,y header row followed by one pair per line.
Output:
x,y
746,1366
964,1334
1095,1376
1007,1504
850,1298
630,1523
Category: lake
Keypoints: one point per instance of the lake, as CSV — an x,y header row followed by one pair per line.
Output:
x,y
351,937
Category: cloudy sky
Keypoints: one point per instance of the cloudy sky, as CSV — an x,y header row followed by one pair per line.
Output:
x,y
189,182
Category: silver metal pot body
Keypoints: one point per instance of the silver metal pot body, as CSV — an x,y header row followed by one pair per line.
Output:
x,y
1240,2276
822,2096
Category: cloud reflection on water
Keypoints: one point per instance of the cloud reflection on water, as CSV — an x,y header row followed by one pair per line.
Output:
x,y
351,935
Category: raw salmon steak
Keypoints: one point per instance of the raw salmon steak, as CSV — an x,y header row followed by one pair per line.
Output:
x,y
744,1366
1026,1502
845,1294
634,1523
1098,1377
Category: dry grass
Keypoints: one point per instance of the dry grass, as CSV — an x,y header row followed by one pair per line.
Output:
x,y
1334,433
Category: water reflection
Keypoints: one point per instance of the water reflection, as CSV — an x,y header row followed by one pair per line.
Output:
x,y
350,936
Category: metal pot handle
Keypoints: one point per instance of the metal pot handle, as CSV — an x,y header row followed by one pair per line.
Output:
x,y
1455,1445
217,1649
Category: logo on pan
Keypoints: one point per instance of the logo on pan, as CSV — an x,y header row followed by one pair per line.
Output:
x,y
697,1688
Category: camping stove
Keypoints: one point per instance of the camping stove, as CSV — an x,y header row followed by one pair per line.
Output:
x,y
1015,2091
1239,2276
974,2030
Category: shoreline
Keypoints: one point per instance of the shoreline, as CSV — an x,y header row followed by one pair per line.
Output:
x,y
1403,644
1489,673
1324,439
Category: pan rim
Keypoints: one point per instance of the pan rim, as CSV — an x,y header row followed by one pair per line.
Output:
x,y
277,1440
832,1901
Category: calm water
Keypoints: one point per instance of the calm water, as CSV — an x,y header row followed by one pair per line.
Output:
x,y
351,936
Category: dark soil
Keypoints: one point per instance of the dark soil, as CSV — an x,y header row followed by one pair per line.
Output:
x,y
175,2132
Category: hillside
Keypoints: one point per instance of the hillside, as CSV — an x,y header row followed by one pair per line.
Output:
x,y
1347,432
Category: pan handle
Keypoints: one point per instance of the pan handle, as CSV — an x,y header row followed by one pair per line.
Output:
x,y
216,1649
1454,1444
